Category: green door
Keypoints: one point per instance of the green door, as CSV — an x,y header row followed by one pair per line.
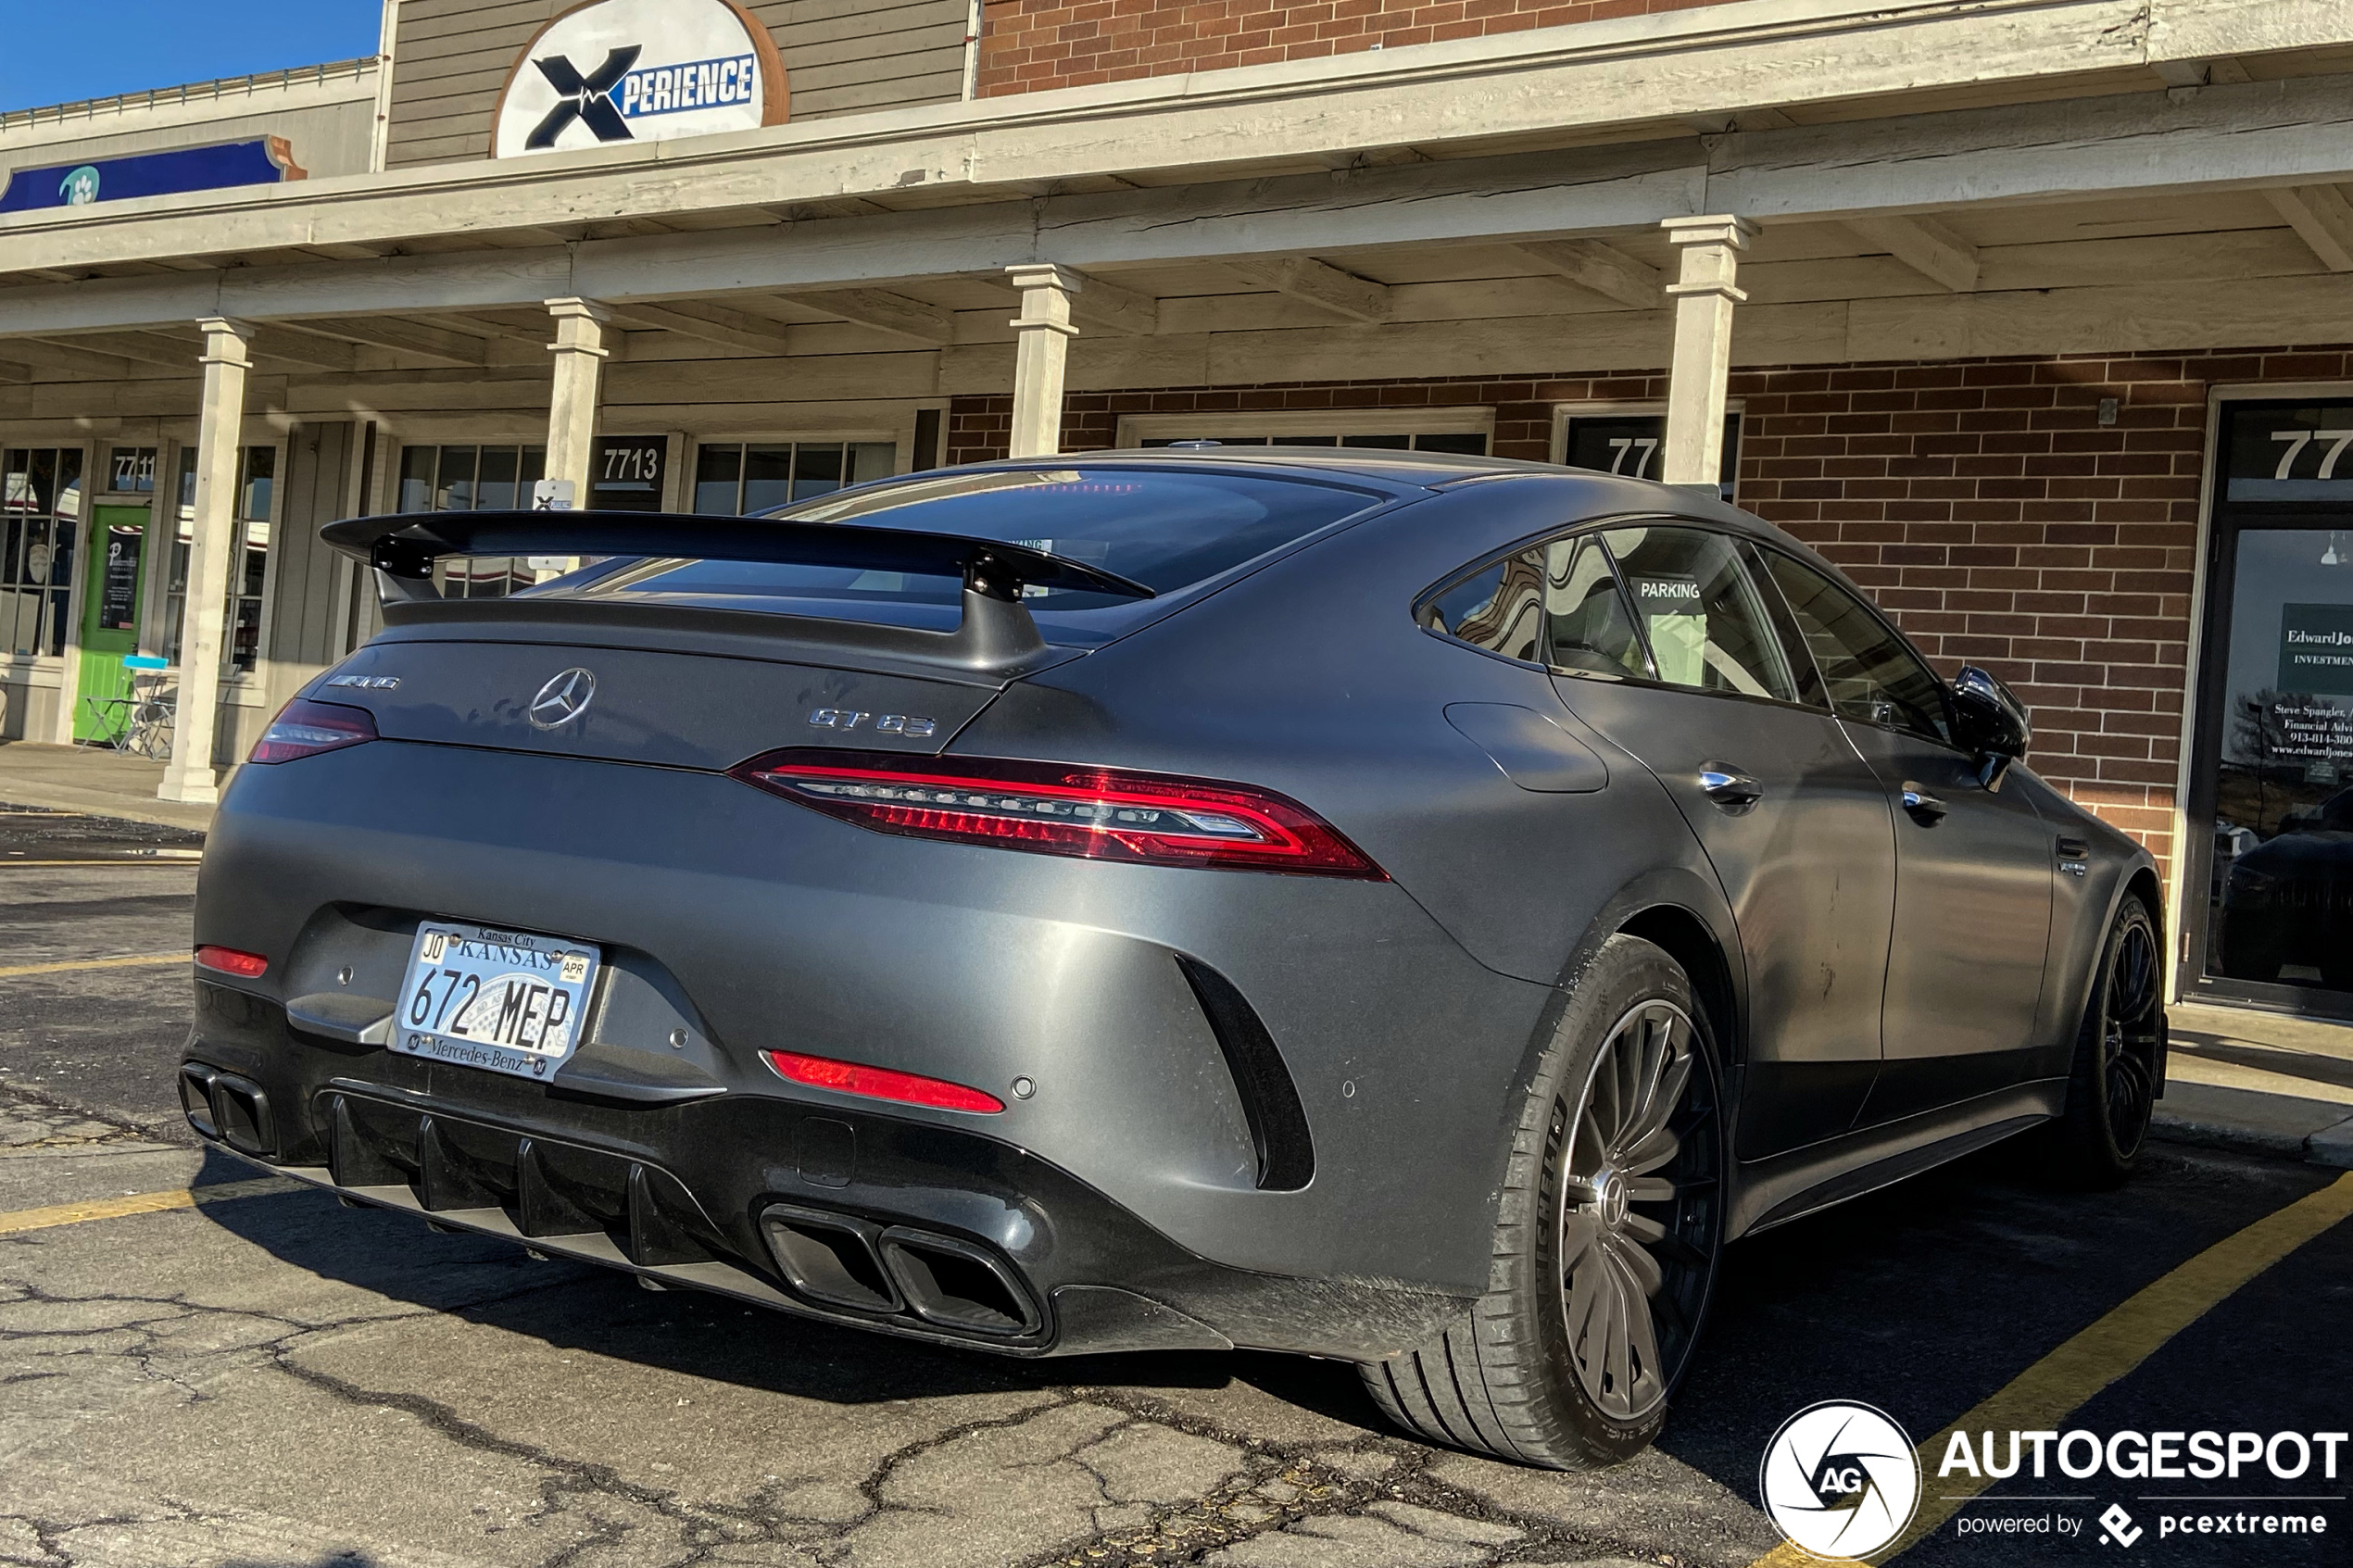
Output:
x,y
109,617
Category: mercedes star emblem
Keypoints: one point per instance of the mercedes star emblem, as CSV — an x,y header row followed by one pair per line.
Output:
x,y
562,699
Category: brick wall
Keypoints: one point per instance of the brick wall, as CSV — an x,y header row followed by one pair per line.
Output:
x,y
1027,45
1981,502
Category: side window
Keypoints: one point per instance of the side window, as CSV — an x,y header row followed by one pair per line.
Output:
x,y
1501,608
1870,673
1585,615
1701,614
1557,605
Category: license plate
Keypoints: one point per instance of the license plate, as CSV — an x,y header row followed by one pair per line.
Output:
x,y
511,1001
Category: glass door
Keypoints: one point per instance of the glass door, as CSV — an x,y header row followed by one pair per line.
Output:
x,y
110,601
2272,783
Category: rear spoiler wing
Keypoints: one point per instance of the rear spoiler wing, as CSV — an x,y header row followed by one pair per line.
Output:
x,y
997,629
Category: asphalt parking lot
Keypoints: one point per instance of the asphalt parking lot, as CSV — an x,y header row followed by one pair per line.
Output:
x,y
260,1377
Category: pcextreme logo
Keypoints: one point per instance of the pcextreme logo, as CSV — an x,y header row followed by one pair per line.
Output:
x,y
1840,1480
639,70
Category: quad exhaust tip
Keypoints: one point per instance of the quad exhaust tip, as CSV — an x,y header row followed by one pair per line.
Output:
x,y
224,1105
845,1261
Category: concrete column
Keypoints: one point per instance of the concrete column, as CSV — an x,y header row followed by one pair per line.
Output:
x,y
1043,348
1704,294
579,354
212,548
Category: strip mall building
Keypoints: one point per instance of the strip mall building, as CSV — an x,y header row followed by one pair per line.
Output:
x,y
2035,315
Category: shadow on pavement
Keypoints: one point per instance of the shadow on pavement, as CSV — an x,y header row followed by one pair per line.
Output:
x,y
603,1312
1921,1299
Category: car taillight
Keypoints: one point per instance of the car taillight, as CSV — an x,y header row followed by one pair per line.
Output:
x,y
305,729
228,960
1060,808
881,1083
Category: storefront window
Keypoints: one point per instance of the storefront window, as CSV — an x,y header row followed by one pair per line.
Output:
x,y
1467,443
743,477
2275,774
248,565
465,479
40,523
627,475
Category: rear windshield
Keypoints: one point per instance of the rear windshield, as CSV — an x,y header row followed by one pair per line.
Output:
x,y
1166,529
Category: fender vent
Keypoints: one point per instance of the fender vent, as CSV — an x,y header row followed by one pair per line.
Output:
x,y
1270,1101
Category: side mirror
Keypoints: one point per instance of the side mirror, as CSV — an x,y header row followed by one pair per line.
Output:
x,y
1990,722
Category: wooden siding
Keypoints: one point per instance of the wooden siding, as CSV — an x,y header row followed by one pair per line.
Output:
x,y
303,639
841,57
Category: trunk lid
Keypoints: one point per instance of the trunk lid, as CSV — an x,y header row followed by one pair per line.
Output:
x,y
664,708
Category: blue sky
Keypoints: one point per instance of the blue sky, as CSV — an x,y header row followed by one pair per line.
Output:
x,y
57,51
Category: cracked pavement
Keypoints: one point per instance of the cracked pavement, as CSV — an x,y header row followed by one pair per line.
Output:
x,y
276,1382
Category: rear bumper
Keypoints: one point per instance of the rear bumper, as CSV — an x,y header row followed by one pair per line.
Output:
x,y
732,923
865,1220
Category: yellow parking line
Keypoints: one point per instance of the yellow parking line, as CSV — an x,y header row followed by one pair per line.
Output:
x,y
142,861
2041,1397
132,962
139,1203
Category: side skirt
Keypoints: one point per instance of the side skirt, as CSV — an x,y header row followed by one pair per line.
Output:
x,y
1788,1187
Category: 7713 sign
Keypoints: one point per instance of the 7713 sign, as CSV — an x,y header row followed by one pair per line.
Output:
x,y
2327,445
2286,453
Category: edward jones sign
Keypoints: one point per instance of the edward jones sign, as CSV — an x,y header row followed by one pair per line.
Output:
x,y
639,70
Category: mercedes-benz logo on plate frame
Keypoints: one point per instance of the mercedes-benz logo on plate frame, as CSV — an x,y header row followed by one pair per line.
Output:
x,y
564,697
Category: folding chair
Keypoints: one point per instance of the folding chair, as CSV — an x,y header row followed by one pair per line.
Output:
x,y
153,708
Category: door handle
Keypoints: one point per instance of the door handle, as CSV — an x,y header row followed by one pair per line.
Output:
x,y
1925,807
1729,788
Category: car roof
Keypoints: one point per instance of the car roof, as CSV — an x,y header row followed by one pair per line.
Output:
x,y
1598,495
1427,470
1593,496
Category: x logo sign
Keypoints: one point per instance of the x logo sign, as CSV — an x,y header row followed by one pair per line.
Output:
x,y
586,98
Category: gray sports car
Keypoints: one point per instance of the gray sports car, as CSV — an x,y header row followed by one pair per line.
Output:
x,y
1406,907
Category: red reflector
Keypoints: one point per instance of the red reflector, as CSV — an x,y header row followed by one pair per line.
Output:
x,y
305,729
1060,809
228,960
880,1082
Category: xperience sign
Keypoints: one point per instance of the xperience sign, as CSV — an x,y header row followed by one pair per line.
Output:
x,y
639,70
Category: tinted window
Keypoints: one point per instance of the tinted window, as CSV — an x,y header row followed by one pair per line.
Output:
x,y
1164,529
1584,613
1867,671
1700,613
1557,604
1500,608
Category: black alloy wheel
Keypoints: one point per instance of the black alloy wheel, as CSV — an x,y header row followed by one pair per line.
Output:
x,y
2131,1018
2112,1086
1605,1241
1638,1211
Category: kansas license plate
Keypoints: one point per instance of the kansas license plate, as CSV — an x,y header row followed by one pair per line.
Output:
x,y
509,1001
